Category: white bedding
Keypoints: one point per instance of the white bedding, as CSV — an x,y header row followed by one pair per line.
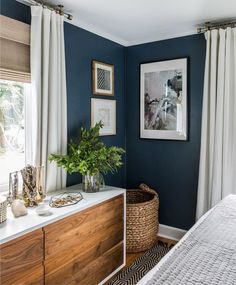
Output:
x,y
208,224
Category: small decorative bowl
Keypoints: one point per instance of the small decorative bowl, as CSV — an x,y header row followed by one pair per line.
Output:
x,y
43,209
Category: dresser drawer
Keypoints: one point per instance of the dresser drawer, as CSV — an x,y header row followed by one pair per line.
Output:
x,y
89,240
32,276
73,230
78,272
21,259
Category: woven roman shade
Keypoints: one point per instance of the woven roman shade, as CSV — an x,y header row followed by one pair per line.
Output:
x,y
14,50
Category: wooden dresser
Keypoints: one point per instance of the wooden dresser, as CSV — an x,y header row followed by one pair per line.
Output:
x,y
86,247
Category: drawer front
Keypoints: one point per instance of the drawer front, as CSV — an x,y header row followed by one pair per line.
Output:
x,y
91,273
71,231
31,276
75,243
20,256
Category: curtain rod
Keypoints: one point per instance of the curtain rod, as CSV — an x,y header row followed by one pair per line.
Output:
x,y
208,26
58,9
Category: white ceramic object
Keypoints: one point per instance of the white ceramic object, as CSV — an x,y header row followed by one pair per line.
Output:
x,y
43,209
18,208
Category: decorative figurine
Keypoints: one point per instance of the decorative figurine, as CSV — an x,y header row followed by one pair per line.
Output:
x,y
33,191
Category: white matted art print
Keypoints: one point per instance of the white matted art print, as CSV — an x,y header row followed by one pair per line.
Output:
x,y
103,78
104,110
163,100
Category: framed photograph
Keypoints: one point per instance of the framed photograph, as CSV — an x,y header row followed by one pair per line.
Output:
x,y
163,100
103,78
105,111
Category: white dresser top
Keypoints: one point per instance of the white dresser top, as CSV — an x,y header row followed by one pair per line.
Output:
x,y
16,227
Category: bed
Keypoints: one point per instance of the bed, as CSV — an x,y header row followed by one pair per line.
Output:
x,y
206,255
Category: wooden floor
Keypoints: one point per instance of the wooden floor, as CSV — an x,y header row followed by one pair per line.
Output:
x,y
130,257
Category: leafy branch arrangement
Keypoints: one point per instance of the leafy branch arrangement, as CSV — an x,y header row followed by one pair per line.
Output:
x,y
90,156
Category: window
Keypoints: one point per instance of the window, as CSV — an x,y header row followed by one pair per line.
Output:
x,y
12,128
14,89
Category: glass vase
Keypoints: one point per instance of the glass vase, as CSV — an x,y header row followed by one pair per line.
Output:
x,y
92,183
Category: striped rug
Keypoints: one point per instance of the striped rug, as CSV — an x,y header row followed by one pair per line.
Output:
x,y
132,274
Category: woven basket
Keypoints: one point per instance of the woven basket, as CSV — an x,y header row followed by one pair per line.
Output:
x,y
142,218
3,209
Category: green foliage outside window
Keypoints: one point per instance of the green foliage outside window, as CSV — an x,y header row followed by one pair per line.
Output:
x,y
11,116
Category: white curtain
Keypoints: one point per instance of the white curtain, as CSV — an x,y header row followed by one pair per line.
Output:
x,y
47,133
217,172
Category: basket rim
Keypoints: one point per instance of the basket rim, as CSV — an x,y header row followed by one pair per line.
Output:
x,y
144,203
140,190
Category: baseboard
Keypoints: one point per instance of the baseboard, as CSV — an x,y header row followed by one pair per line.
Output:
x,y
171,232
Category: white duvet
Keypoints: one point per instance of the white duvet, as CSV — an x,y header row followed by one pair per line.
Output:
x,y
206,255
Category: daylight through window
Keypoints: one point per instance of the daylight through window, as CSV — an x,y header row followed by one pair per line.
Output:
x,y
12,128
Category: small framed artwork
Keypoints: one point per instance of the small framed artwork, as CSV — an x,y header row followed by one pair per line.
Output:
x,y
163,100
105,111
103,78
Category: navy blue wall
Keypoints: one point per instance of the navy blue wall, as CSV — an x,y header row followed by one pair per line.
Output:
x,y
15,10
170,167
81,47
